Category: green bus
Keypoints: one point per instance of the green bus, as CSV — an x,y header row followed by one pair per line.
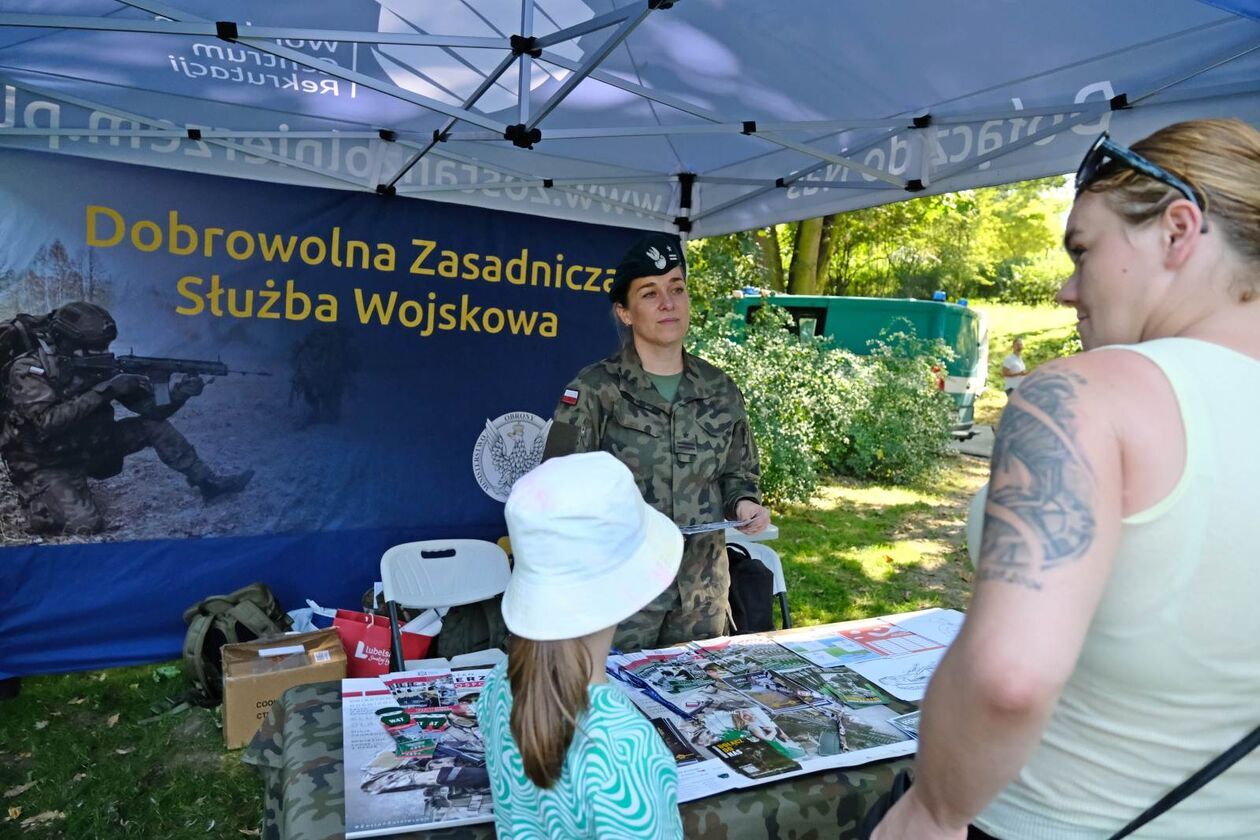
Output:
x,y
851,323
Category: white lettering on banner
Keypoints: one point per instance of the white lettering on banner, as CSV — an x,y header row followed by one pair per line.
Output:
x,y
953,144
335,155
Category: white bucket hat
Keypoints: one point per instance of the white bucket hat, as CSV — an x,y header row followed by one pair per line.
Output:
x,y
589,552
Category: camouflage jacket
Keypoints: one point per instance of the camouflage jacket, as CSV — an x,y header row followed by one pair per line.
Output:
x,y
52,417
693,459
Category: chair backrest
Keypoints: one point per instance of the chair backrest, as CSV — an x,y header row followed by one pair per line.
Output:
x,y
768,557
443,573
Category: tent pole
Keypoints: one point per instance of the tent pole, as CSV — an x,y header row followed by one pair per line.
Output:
x,y
590,63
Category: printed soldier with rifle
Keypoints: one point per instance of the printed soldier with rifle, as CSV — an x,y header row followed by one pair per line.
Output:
x,y
59,428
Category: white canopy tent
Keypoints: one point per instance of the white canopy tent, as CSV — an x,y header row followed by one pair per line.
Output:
x,y
704,116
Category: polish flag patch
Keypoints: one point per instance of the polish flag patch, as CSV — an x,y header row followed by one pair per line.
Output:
x,y
570,397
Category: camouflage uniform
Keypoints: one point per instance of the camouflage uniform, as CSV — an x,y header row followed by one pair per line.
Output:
x,y
298,753
693,460
59,432
322,364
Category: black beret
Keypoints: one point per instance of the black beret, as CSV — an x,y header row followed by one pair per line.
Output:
x,y
655,253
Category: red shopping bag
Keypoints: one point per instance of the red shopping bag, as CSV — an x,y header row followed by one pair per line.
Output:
x,y
366,639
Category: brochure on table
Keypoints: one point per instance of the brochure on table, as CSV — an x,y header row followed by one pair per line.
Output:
x,y
736,712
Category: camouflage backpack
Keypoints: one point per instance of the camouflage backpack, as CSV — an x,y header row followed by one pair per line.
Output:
x,y
249,613
20,335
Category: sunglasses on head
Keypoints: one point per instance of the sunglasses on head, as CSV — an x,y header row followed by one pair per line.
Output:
x,y
1106,153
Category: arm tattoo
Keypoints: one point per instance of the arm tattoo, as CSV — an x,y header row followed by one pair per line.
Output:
x,y
1040,513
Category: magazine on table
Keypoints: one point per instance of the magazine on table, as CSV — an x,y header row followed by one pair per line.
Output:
x,y
734,712
414,758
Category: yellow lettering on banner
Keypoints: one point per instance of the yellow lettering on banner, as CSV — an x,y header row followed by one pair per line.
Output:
x,y
312,250
274,246
492,271
550,325
411,313
448,266
154,240
592,282
120,227
184,287
516,268
374,308
447,312
426,247
175,231
521,322
386,258
498,320
471,270
240,245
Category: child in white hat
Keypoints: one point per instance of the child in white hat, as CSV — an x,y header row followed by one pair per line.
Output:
x,y
568,755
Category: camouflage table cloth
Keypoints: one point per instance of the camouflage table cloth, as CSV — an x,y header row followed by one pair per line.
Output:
x,y
298,753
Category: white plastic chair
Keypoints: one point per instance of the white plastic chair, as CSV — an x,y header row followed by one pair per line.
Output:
x,y
770,559
439,573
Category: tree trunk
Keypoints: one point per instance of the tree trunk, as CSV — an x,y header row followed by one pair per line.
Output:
x,y
826,247
771,257
803,277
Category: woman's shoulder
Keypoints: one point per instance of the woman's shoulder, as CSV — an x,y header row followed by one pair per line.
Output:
x,y
600,373
710,374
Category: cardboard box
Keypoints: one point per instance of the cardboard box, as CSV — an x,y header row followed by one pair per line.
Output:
x,y
255,674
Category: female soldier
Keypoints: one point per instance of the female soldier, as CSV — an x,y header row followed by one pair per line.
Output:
x,y
679,424
1112,647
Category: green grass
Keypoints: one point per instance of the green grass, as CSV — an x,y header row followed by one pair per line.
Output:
x,y
94,755
1045,330
102,769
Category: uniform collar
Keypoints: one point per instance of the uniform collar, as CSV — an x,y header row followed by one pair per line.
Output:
x,y
627,365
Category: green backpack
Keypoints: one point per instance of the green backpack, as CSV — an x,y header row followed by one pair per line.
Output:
x,y
249,613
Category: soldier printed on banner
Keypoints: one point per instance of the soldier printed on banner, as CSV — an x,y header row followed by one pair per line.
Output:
x,y
60,430
323,365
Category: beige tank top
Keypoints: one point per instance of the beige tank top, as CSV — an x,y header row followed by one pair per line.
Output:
x,y
1169,676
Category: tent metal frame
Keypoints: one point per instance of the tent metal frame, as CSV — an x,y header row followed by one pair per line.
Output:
x,y
806,140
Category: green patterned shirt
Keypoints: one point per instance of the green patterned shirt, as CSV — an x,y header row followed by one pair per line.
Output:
x,y
619,779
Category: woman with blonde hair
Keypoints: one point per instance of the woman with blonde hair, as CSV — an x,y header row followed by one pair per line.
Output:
x,y
1112,647
568,755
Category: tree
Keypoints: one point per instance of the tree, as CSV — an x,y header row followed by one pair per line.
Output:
x,y
971,243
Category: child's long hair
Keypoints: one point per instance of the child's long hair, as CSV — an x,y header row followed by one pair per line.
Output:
x,y
548,682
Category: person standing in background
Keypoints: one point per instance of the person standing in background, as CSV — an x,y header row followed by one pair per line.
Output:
x,y
1013,368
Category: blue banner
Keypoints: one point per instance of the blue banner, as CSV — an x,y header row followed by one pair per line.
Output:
x,y
392,364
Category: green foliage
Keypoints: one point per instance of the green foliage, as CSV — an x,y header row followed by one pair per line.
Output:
x,y
717,266
813,408
899,432
976,243
1034,280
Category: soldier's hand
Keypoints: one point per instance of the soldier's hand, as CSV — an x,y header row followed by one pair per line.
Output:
x,y
190,386
755,518
126,385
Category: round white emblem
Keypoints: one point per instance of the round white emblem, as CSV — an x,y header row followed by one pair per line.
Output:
x,y
507,448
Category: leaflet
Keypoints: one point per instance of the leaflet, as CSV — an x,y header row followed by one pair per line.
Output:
x,y
706,527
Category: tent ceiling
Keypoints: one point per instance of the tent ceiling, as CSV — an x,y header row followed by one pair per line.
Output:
x,y
708,115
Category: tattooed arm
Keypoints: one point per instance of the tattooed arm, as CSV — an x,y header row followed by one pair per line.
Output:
x,y
1051,527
